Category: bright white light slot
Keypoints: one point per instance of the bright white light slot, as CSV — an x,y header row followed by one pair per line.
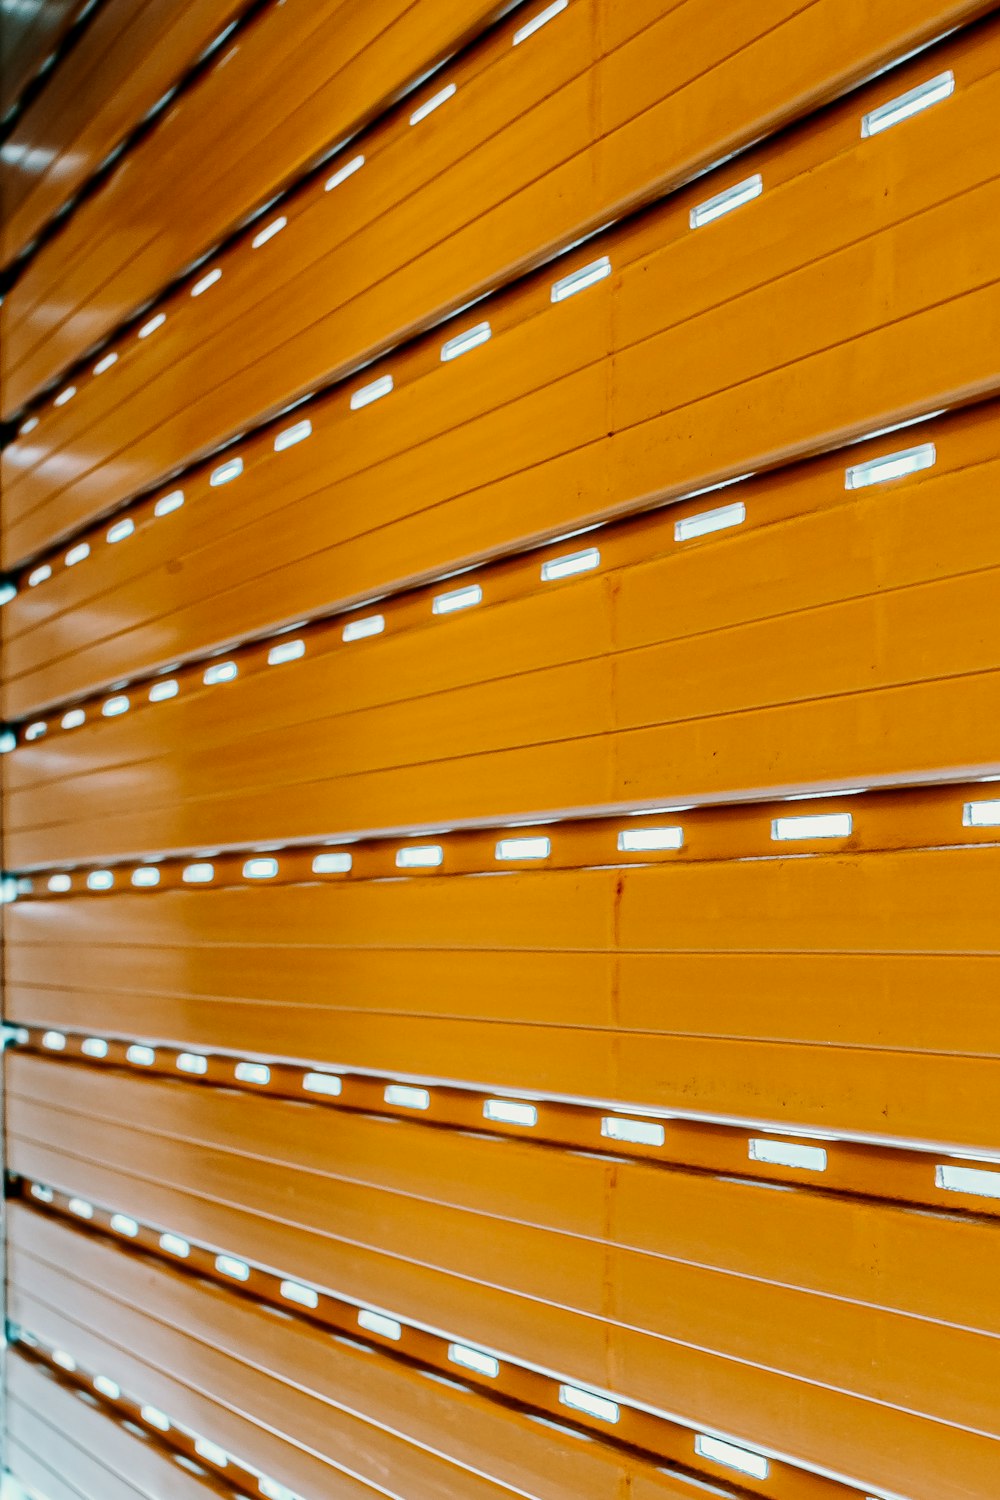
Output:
x,y
268,232
115,706
77,554
73,719
143,1057
206,281
419,857
198,874
731,1457
332,864
81,1208
225,473
168,503
174,1245
636,1132
54,1041
105,363
456,599
146,877
577,1399
787,1154
43,1194
60,883
322,1083
122,1224
94,1046
892,466
152,325
578,281
285,651
39,575
374,391
407,1097
211,1453
435,102
537,22
120,530
360,630
649,840
292,435
981,814
812,826
975,1180
708,521
228,1265
8,741
510,1112
107,1387
570,565
100,880
192,1062
910,103
725,202
474,1359
223,671
294,1291
272,1490
535,848
153,1417
463,342
8,591
378,1323
36,730
342,173
28,426
63,1360
160,691
247,1072
260,869
65,395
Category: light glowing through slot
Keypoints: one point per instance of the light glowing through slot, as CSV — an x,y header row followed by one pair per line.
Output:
x,y
163,690
342,173
36,730
787,1154
510,1112
73,719
211,1452
359,630
586,1401
456,599
405,1096
435,102
94,1046
60,883
28,426
292,435
192,1062
376,1322
533,848
294,1291
570,565
463,342
206,281
708,521
892,466
105,363
120,530
115,706
152,325
153,1417
231,469
107,1387
813,826
81,1208
419,857
143,1057
975,1180
146,877
474,1359
8,591
322,1083
910,103
332,864
636,1132
100,880
198,874
725,202
247,1072
168,503
122,1224
981,814
223,671
578,281
268,232
260,869
39,575
285,651
77,554
8,741
646,840
63,1360
727,1454
272,1490
537,22
54,1040
43,1194
228,1265
65,395
371,392
174,1245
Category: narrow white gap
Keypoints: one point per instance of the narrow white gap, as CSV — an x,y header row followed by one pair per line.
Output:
x,y
533,848
206,281
81,1208
910,103
342,173
435,102
474,1359
94,1046
226,472
100,880
54,1041
37,730
586,1401
260,869
198,874
407,1097
228,1265
643,840
419,857
105,363
292,435
120,530
637,1132
65,395
192,1062
463,342
577,281
732,1457
268,233
981,814
170,502
892,466
707,521
510,1112
39,575
77,554
144,1057
122,1224
294,1291
285,651
152,325
813,826
787,1154
456,599
376,1322
374,391
115,706
359,630
571,564
60,883
174,1245
155,1418
537,22
725,202
73,719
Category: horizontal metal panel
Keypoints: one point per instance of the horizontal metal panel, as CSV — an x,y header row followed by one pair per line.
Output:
x,y
29,35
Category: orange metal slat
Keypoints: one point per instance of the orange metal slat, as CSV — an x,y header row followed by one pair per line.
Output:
x,y
27,36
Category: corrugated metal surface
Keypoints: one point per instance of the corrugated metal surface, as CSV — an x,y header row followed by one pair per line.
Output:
x,y
500,957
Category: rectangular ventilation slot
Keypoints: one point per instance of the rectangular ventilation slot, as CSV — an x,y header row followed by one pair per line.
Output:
x,y
161,691
174,1245
73,719
578,281
81,1208
145,877
322,1083
707,521
54,1041
144,1057
223,671
153,1417
419,857
65,396
36,730
975,1180
372,392
77,554
115,706
211,1452
257,1073
260,869
263,235
94,1046
647,840
28,426
378,1323
725,202
192,1062
105,363
813,826
534,848
474,1359
292,435
119,531
360,630
63,1360
100,880
107,1387
787,1154
122,1224
892,466
60,883
510,1112
152,325
636,1132
294,1291
910,103
272,1490
537,22
199,874
586,1401
456,599
39,575
228,1265
435,102
463,342
226,472
342,173
205,282
740,1459
169,503
407,1097
981,814
43,1194
332,864
570,565
286,651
